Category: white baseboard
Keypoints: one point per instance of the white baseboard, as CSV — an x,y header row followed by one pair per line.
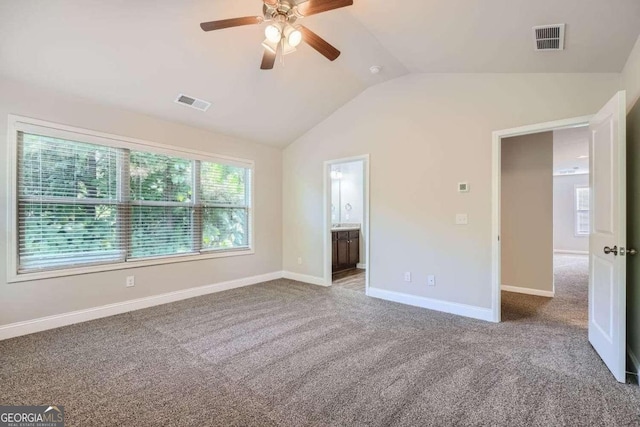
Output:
x,y
634,360
361,266
50,322
433,304
570,252
528,291
305,278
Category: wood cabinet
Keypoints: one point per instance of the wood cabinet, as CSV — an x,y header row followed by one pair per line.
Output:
x,y
346,250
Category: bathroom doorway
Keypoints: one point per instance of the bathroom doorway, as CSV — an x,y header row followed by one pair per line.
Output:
x,y
346,237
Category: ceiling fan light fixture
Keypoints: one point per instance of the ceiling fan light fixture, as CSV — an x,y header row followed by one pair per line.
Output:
x,y
282,33
293,35
273,33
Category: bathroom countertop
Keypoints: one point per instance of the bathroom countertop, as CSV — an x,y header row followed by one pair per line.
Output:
x,y
345,227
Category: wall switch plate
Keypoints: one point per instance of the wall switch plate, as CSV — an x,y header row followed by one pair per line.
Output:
x,y
131,281
299,260
462,219
431,280
407,276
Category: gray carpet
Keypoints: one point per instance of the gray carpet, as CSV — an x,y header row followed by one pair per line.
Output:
x,y
286,353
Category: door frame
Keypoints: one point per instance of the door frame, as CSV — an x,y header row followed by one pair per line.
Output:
x,y
496,177
326,229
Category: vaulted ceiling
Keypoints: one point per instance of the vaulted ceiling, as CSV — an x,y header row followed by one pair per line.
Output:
x,y
140,54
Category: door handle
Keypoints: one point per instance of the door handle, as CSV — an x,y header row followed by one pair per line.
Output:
x,y
631,252
608,250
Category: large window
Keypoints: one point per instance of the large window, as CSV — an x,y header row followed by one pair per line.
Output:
x,y
83,203
582,211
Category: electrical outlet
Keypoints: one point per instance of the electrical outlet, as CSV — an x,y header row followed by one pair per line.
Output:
x,y
299,260
407,276
431,280
131,281
462,219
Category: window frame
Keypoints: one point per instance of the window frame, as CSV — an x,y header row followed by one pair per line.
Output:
x,y
29,125
576,211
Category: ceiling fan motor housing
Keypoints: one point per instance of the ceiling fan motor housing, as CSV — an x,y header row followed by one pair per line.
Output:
x,y
283,11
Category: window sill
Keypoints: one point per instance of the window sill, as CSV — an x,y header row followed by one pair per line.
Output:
x,y
50,274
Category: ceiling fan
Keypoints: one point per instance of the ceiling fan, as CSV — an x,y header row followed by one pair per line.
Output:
x,y
283,34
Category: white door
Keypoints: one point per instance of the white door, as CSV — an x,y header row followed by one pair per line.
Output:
x,y
607,242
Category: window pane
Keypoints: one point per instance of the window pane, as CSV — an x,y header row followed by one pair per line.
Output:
x,y
156,177
582,199
582,222
50,167
225,228
223,184
160,230
54,235
82,203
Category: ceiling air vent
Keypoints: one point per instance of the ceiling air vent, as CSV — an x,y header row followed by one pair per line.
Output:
x,y
196,103
549,37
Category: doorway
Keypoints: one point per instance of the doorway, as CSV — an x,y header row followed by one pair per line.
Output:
x,y
544,233
346,228
547,277
607,234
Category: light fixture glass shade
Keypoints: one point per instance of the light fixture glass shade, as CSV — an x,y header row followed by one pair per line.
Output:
x,y
273,33
293,36
270,46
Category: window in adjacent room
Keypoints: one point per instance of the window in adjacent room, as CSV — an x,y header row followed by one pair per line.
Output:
x,y
582,211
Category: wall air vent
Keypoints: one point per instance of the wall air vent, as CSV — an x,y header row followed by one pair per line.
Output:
x,y
192,102
549,37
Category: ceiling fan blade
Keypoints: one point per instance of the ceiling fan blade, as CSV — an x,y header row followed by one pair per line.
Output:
x,y
228,23
319,44
313,7
270,2
268,60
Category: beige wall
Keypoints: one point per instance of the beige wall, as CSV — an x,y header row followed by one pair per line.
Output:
x,y
425,133
631,76
527,211
29,300
564,236
633,230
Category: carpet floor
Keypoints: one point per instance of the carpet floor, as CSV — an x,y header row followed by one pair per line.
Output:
x,y
285,353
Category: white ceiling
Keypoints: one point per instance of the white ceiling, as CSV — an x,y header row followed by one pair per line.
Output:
x,y
472,36
568,146
140,54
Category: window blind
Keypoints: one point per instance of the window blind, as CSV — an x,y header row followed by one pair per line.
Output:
x,y
161,194
68,206
82,203
224,206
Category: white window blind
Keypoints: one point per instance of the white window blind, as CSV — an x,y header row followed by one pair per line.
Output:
x,y
67,203
161,194
224,200
82,204
582,211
